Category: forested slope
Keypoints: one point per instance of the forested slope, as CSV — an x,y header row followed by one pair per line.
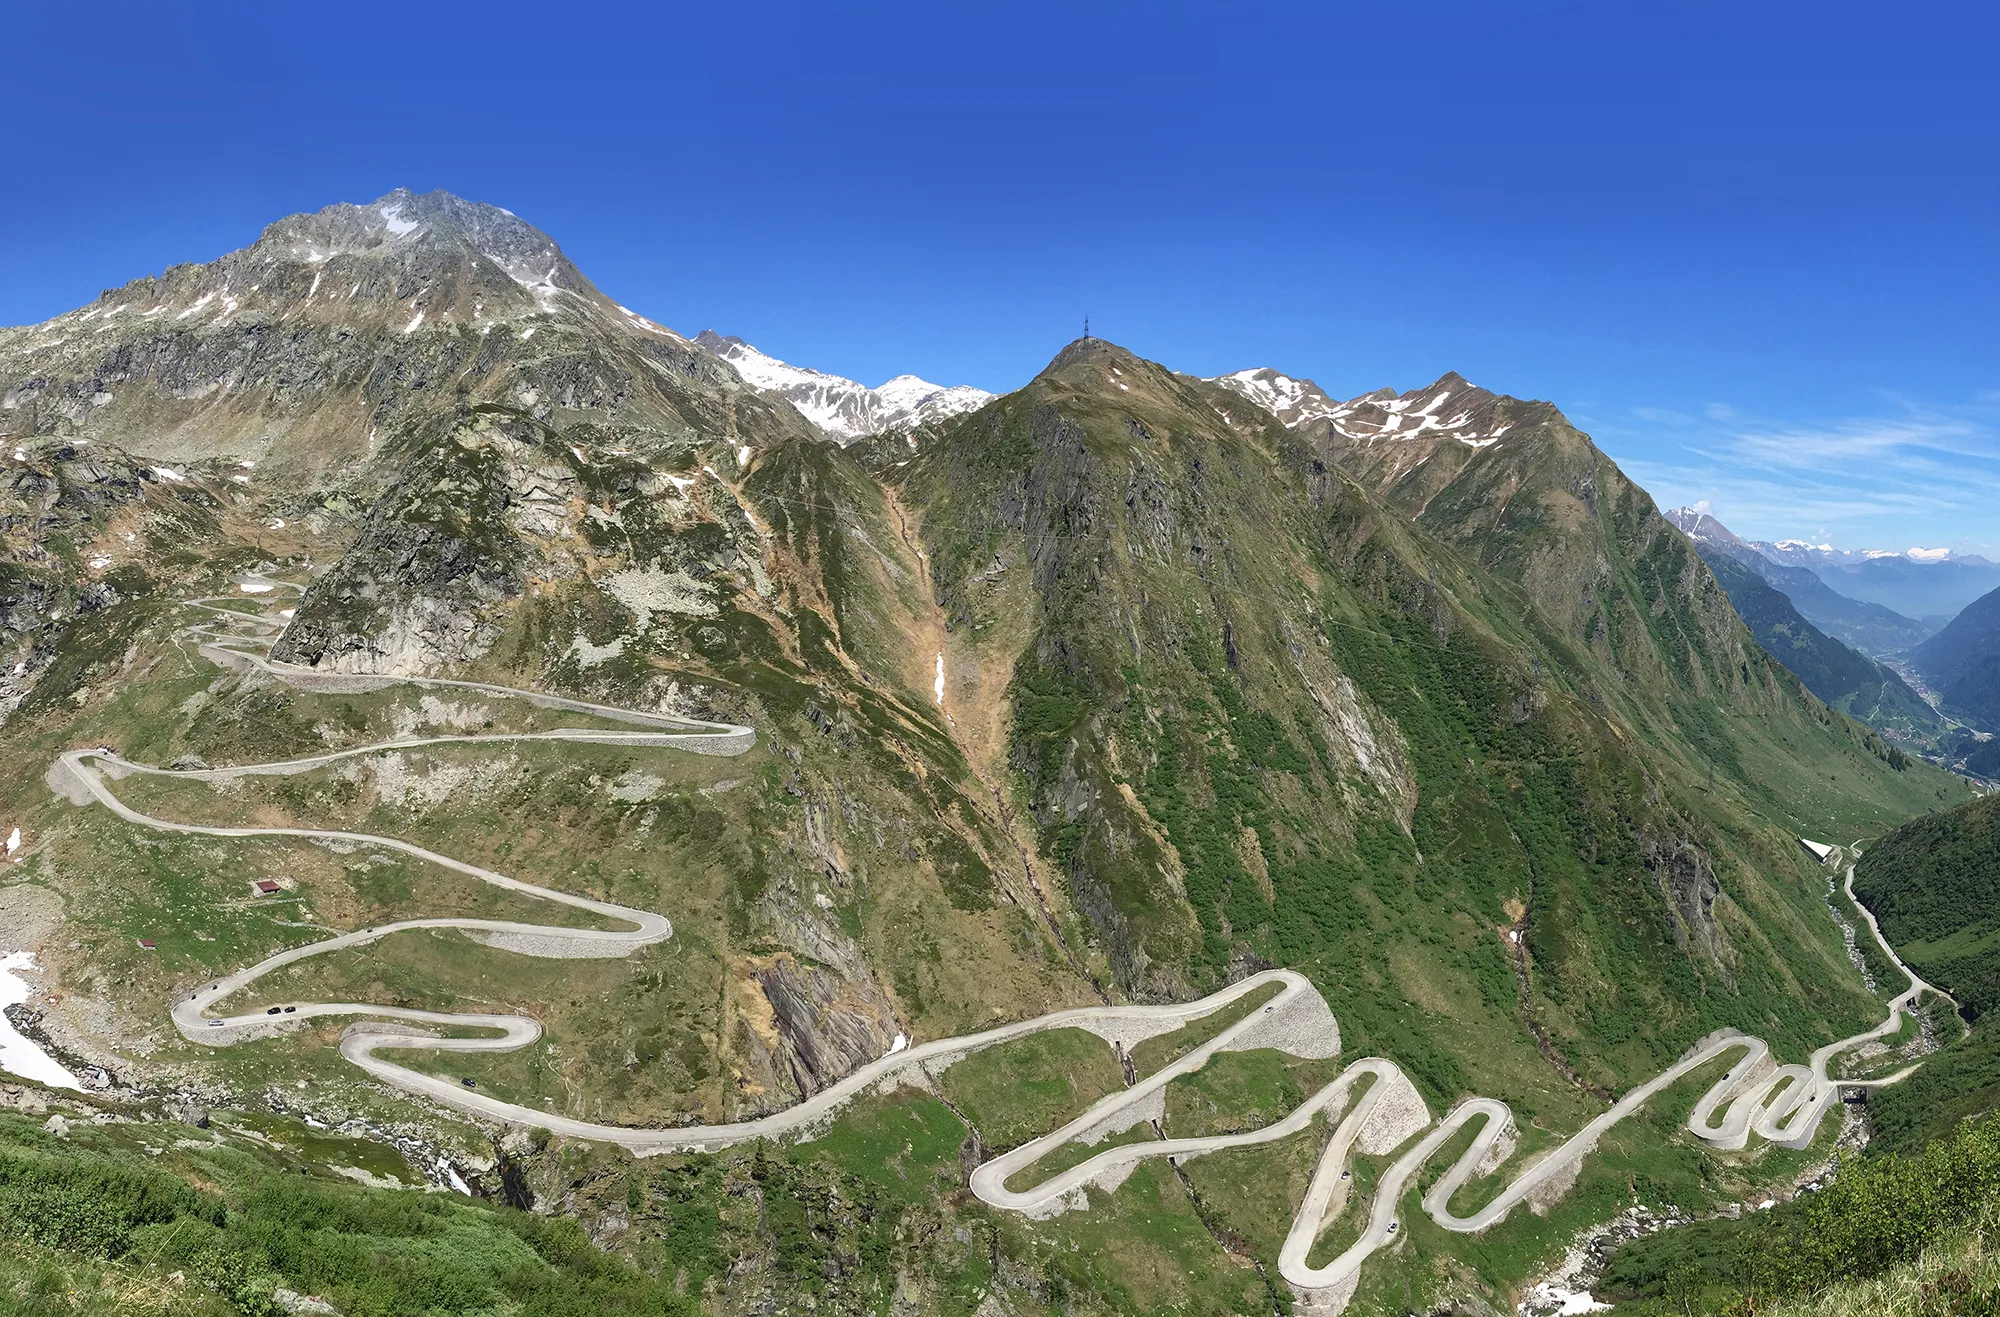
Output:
x,y
1935,886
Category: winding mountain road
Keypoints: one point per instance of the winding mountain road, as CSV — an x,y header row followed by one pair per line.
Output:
x,y
1780,1103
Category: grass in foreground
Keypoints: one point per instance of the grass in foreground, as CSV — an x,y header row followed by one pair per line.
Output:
x,y
47,1282
89,1225
1959,1277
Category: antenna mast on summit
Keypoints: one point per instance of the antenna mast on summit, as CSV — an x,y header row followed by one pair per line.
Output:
x,y
1086,329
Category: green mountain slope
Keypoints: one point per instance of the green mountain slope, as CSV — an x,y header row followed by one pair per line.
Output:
x,y
1929,1186
1963,662
601,509
1960,1081
1895,1234
1258,716
1853,683
1935,886
252,1218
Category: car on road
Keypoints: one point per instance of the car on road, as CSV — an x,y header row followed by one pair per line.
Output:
x,y
215,1024
290,1009
271,1011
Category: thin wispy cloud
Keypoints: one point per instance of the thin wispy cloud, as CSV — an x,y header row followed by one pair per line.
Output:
x,y
1921,475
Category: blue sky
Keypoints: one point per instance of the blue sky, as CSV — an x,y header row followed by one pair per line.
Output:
x,y
1750,248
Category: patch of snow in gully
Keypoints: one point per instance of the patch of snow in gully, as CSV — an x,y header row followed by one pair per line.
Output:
x,y
19,1055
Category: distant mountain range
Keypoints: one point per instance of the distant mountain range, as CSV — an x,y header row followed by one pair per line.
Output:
x,y
1805,553
1845,678
1869,627
1931,584
1961,660
843,409
1782,606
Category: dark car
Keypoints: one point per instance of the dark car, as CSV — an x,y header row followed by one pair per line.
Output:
x,y
271,1011
469,1082
290,1009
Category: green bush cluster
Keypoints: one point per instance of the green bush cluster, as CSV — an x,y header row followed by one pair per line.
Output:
x,y
1878,1213
1961,1080
371,1252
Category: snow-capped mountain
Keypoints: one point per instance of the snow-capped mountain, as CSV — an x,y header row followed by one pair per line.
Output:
x,y
1929,585
1804,553
842,408
1701,527
1452,408
281,353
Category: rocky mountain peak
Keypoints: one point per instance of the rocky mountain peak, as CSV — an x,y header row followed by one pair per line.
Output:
x,y
1093,365
341,327
400,263
719,344
404,225
1091,351
1453,408
1293,401
1703,528
1450,408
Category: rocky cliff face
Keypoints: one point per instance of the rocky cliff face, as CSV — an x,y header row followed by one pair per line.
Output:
x,y
83,528
336,332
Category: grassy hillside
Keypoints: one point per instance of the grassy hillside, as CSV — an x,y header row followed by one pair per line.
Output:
x,y
158,1218
1110,689
1852,1245
1911,1228
1963,662
1959,1081
1935,886
1957,1277
1259,717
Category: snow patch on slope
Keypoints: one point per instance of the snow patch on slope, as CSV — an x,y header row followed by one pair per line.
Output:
x,y
1472,417
395,221
1292,401
20,1055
